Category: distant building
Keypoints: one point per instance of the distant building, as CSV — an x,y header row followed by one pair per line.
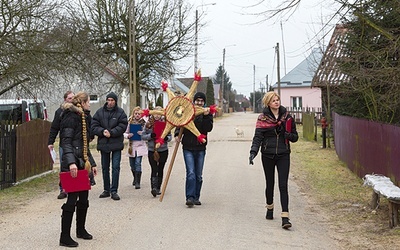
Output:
x,y
295,87
329,73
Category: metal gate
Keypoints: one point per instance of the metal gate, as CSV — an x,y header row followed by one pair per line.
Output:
x,y
8,140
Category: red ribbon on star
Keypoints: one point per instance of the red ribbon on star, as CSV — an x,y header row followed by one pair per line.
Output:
x,y
164,85
213,109
197,77
145,112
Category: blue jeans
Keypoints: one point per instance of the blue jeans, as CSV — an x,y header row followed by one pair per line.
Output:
x,y
105,165
136,163
194,162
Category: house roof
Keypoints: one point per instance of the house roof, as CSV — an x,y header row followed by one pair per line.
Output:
x,y
201,87
303,73
178,85
328,71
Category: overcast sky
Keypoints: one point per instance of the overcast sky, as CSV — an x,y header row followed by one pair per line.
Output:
x,y
247,43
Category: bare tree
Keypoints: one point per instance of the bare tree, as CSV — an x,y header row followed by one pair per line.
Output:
x,y
164,35
266,12
25,47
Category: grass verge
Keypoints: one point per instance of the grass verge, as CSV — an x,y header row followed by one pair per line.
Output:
x,y
341,196
21,194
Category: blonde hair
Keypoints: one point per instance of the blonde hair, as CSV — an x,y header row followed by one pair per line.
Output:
x,y
78,100
80,97
268,97
137,108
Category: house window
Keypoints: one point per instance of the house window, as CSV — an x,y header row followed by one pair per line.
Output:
x,y
297,102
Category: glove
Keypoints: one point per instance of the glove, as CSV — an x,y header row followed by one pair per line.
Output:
x,y
288,136
153,135
251,158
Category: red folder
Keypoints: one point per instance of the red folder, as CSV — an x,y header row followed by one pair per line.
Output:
x,y
80,183
159,127
288,127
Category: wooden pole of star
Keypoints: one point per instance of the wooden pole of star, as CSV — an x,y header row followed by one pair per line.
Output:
x,y
171,164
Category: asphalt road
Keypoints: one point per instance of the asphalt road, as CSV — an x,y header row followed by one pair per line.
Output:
x,y
232,214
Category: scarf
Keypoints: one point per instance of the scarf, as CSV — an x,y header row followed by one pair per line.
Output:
x,y
267,120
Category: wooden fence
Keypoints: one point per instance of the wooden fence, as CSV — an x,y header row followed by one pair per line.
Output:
x,y
33,156
297,113
23,150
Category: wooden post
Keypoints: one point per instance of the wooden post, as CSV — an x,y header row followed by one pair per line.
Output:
x,y
374,200
393,213
171,163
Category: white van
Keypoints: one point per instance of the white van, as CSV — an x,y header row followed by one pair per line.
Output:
x,y
22,110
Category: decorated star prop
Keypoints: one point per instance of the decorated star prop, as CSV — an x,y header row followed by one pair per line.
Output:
x,y
181,111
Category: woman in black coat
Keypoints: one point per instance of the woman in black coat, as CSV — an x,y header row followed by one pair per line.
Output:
x,y
274,129
74,139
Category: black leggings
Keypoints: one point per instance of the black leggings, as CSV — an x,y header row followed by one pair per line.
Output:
x,y
73,198
282,163
157,168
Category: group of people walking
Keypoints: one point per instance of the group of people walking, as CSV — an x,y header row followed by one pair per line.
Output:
x,y
275,129
110,124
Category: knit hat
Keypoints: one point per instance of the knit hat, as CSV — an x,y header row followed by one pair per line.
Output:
x,y
113,96
200,95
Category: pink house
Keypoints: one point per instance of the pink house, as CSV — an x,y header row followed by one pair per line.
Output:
x,y
295,86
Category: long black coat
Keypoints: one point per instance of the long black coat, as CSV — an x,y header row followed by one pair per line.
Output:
x,y
71,138
115,121
55,126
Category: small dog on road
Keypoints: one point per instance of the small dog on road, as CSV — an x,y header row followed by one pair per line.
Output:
x,y
239,132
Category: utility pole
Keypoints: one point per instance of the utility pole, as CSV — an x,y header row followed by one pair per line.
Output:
x,y
196,42
222,81
132,57
284,52
278,69
254,88
266,84
223,78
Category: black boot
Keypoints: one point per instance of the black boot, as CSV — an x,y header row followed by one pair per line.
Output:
x,y
154,181
159,182
138,177
66,221
286,223
270,214
134,178
81,212
270,211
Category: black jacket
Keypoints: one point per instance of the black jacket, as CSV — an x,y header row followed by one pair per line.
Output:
x,y
55,126
203,123
71,139
270,133
115,121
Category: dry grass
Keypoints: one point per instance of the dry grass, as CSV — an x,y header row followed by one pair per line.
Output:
x,y
20,195
343,199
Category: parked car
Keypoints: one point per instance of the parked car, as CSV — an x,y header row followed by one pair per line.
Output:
x,y
22,110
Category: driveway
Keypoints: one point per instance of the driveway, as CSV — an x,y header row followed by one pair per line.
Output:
x,y
232,214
